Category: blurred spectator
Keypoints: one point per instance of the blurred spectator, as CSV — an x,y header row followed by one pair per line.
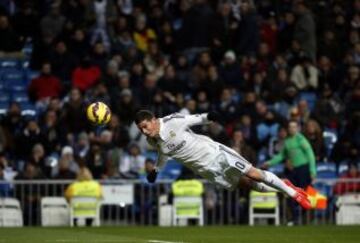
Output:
x,y
154,61
29,194
217,132
189,108
267,128
29,136
3,139
67,165
37,157
105,14
343,187
85,75
52,24
214,84
170,83
143,34
63,62
203,103
276,144
247,35
26,21
78,44
239,145
10,42
148,91
132,163
99,93
305,75
230,70
305,29
96,160
99,56
224,30
73,117
110,76
12,124
50,132
328,108
286,32
313,133
64,172
227,107
197,25
46,85
5,189
83,145
201,70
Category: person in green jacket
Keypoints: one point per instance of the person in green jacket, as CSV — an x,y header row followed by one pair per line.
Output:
x,y
298,156
299,163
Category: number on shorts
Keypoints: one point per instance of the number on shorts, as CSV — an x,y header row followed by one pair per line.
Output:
x,y
239,165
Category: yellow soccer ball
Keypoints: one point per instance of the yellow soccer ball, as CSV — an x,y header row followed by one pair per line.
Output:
x,y
98,113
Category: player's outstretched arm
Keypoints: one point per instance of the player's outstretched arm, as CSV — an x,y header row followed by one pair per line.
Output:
x,y
153,172
151,176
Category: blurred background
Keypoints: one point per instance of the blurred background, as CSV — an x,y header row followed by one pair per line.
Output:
x,y
260,64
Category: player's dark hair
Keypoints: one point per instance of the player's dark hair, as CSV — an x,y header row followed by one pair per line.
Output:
x,y
143,115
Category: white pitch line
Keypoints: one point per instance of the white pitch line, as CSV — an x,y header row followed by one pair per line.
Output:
x,y
162,241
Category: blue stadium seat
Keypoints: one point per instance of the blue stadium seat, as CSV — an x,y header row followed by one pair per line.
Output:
x,y
12,75
277,169
4,97
151,155
172,170
3,108
326,170
9,63
30,75
15,85
28,110
20,97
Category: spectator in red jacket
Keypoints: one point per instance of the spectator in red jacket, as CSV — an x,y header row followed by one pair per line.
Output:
x,y
86,75
46,85
349,186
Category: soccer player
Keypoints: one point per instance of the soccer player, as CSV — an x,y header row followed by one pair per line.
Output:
x,y
172,137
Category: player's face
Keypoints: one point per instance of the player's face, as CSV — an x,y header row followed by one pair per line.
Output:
x,y
293,128
149,128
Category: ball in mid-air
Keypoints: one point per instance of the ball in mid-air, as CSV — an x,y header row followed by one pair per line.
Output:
x,y
98,113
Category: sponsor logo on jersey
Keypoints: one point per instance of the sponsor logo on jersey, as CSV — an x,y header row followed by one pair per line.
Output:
x,y
173,148
172,134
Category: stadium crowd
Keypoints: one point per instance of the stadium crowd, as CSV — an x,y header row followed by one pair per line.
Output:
x,y
259,64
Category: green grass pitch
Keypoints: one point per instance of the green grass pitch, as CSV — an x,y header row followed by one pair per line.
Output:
x,y
226,234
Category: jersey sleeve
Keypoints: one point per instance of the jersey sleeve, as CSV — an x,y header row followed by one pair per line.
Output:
x,y
161,161
162,158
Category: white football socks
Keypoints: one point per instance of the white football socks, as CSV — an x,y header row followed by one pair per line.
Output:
x,y
272,180
262,187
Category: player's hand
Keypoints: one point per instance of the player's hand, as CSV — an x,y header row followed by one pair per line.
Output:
x,y
151,176
213,116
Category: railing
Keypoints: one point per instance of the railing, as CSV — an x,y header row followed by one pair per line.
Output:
x,y
221,207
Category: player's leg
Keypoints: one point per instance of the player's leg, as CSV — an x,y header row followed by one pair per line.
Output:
x,y
254,185
237,161
272,180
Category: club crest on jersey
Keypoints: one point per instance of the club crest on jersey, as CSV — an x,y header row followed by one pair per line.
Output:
x,y
172,134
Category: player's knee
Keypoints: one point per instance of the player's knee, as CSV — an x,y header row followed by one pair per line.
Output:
x,y
256,174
